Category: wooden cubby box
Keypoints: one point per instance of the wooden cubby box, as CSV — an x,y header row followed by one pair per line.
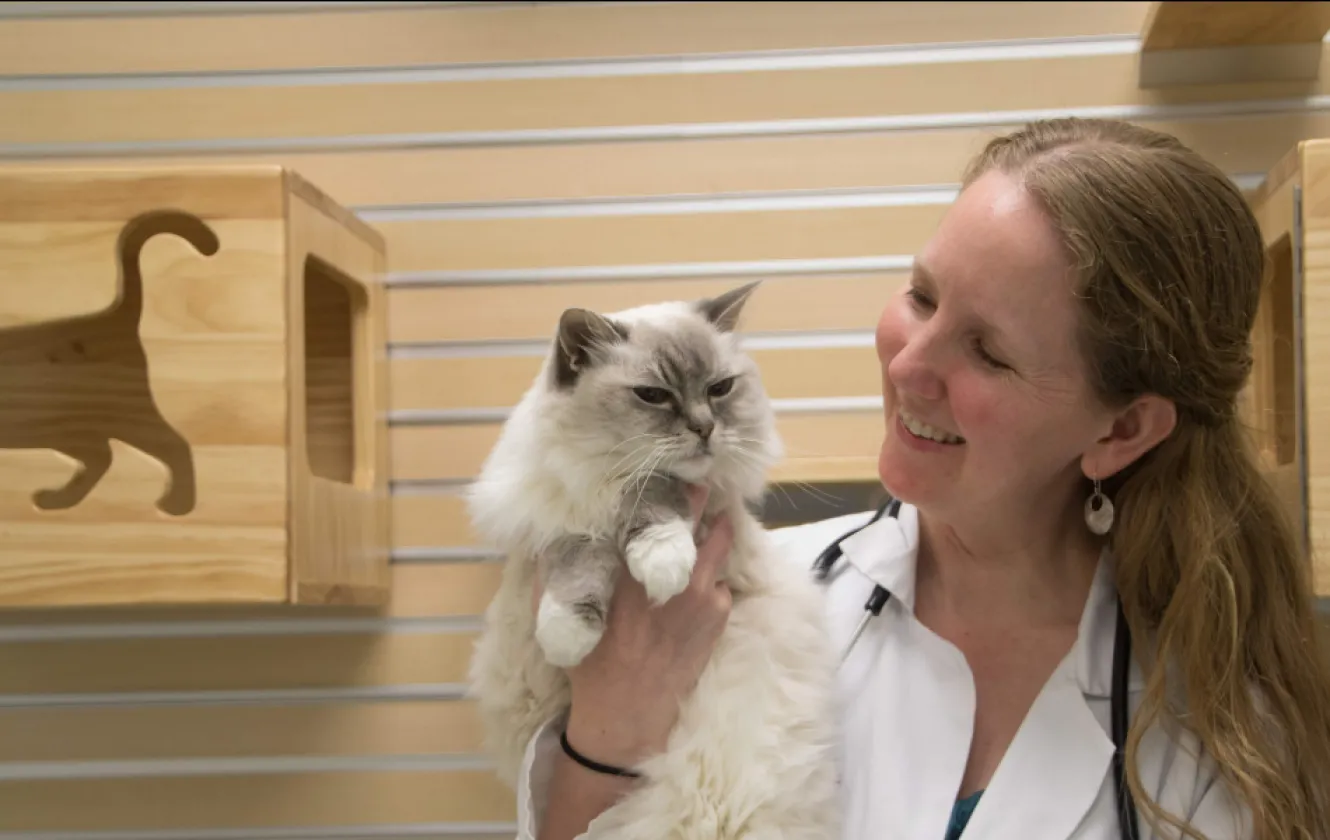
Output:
x,y
192,390
1287,402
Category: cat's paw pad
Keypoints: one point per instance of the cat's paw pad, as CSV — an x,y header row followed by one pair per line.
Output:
x,y
662,558
565,635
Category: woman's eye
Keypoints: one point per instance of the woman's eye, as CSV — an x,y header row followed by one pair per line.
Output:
x,y
986,358
650,395
721,388
918,298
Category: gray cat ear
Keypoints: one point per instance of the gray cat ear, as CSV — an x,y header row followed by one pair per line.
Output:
x,y
581,331
723,310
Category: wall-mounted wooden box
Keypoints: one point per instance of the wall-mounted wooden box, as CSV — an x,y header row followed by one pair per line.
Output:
x,y
192,390
1287,402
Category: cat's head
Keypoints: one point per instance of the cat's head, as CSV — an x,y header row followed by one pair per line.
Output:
x,y
664,387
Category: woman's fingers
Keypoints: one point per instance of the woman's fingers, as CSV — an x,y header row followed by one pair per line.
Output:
x,y
697,500
713,552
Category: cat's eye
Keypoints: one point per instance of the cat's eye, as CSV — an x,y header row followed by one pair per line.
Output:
x,y
721,388
650,395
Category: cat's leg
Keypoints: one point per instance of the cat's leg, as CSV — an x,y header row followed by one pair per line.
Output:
x,y
152,435
579,577
659,546
174,451
94,457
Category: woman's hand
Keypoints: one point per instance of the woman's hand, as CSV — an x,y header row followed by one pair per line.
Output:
x,y
626,692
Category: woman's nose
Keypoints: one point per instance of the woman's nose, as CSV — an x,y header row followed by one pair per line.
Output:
x,y
915,368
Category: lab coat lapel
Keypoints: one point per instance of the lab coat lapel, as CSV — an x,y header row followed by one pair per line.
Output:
x,y
1053,771
1055,768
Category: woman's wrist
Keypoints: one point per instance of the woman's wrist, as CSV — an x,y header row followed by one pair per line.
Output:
x,y
611,740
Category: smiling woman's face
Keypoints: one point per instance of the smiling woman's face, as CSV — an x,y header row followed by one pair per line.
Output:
x,y
979,351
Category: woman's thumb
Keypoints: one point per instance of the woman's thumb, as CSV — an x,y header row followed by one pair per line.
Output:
x,y
697,501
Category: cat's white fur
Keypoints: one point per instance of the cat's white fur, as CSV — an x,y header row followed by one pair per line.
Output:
x,y
753,753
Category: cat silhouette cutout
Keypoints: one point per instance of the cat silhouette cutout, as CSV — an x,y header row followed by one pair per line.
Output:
x,y
75,384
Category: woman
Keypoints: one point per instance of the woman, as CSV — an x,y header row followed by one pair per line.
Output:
x,y
1059,377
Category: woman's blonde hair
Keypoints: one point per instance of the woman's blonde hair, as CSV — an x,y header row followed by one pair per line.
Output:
x,y
1171,262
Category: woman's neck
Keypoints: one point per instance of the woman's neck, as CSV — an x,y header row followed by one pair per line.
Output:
x,y
1013,570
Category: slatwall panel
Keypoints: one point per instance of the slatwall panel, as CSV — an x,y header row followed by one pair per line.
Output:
x,y
519,158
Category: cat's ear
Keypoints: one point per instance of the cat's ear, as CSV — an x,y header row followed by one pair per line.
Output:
x,y
581,332
724,310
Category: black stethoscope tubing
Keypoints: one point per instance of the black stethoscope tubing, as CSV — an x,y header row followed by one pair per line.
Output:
x,y
1127,824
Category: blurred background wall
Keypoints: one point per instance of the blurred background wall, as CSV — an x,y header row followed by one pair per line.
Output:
x,y
519,158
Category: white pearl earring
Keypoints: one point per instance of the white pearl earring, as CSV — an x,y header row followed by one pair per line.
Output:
x,y
1098,511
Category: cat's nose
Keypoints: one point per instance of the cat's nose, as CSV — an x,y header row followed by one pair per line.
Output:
x,y
702,428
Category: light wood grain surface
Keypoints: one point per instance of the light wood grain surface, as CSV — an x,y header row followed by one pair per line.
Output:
x,y
499,33
148,427
1244,143
215,113
341,719
1174,25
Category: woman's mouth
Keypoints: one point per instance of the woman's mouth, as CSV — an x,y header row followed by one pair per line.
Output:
x,y
920,429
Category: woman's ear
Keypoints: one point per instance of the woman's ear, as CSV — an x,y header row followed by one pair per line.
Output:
x,y
1135,430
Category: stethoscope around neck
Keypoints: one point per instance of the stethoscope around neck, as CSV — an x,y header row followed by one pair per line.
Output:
x,y
1127,825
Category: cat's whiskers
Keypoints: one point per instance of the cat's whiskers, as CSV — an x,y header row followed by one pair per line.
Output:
x,y
613,471
629,440
781,487
657,455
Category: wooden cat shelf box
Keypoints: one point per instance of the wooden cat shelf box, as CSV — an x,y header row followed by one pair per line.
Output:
x,y
1287,401
192,390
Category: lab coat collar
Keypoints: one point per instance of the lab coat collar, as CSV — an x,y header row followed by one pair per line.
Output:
x,y
1054,769
885,553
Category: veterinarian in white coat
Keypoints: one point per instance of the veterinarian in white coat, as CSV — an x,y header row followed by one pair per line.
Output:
x,y
909,709
1060,381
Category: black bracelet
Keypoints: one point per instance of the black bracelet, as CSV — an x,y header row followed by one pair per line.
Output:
x,y
596,766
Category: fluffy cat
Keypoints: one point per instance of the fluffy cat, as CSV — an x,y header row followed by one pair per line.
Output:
x,y
586,479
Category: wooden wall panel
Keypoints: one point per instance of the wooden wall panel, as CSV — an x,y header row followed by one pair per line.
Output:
x,y
484,244
499,381
275,800
259,662
125,733
502,33
119,115
431,314
375,178
845,441
520,159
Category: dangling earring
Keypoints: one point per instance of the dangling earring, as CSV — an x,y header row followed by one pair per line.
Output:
x,y
1098,511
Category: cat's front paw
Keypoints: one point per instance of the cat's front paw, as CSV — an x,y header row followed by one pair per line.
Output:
x,y
565,634
661,557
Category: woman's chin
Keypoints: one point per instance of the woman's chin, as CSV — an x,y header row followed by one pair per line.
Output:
x,y
906,481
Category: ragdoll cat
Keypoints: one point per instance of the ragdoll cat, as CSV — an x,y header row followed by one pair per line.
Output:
x,y
587,479
73,385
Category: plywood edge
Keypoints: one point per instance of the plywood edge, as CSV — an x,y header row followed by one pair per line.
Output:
x,y
340,524
113,193
1191,25
341,595
1272,201
326,204
1200,43
1230,65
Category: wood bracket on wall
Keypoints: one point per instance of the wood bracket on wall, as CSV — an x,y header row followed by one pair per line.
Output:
x,y
1199,43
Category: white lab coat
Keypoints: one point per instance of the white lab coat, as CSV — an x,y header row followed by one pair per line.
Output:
x,y
908,701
